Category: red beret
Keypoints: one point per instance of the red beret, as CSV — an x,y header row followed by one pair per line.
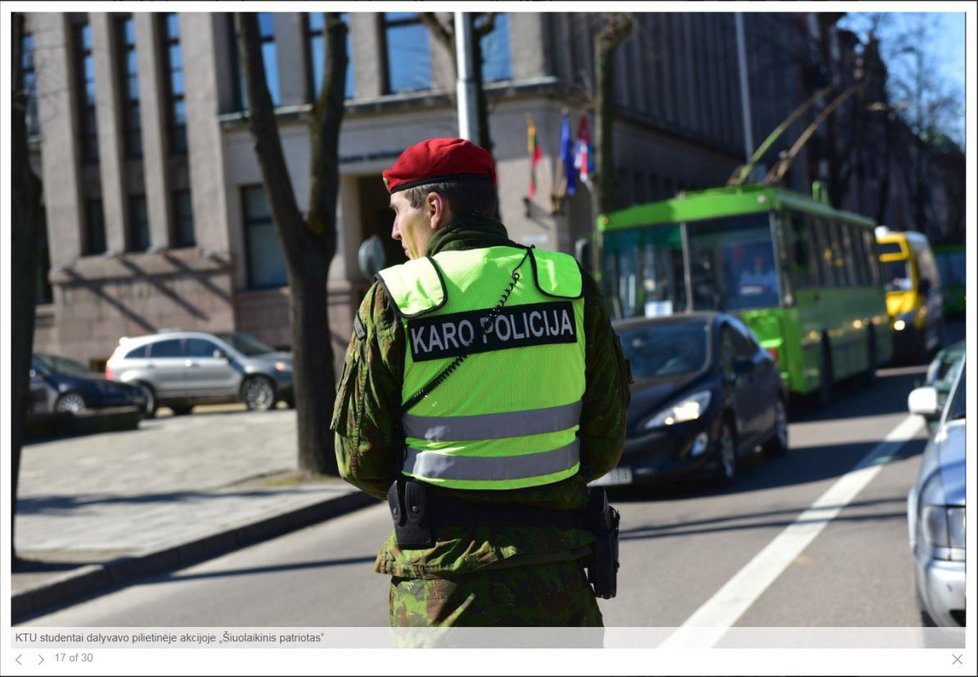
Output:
x,y
439,160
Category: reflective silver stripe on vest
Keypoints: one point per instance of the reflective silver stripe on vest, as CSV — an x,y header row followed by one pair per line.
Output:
x,y
452,467
492,426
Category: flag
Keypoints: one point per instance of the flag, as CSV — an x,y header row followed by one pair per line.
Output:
x,y
584,159
533,146
567,155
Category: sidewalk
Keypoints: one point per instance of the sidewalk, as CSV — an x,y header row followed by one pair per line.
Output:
x,y
99,511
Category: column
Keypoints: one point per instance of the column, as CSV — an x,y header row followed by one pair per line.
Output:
x,y
367,43
290,37
59,125
528,46
204,140
109,140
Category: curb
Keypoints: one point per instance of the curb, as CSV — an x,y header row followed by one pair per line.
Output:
x,y
95,579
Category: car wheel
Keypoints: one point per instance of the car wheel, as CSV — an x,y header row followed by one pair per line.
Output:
x,y
778,444
258,393
149,409
181,411
71,402
726,456
825,377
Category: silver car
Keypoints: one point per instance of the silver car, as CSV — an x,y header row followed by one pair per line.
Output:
x,y
936,508
180,369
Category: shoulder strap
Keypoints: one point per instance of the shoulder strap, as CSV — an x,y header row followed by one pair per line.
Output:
x,y
415,287
557,274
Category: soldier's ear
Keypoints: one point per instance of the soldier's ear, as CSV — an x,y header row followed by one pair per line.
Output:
x,y
437,210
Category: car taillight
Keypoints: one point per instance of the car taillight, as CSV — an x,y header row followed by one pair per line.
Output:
x,y
773,351
108,373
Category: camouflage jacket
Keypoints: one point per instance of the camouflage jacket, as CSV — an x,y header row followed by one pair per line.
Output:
x,y
368,445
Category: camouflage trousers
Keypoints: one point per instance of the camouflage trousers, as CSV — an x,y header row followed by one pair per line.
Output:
x,y
548,594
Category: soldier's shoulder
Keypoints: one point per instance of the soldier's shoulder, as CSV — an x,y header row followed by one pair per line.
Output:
x,y
376,311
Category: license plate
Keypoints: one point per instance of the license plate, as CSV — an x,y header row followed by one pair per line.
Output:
x,y
616,476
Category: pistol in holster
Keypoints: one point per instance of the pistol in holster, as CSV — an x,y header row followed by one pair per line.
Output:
x,y
602,565
410,510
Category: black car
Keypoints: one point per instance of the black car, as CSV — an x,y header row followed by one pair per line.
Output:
x,y
61,384
705,395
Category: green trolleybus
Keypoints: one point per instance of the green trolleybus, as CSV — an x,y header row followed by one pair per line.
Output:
x,y
803,275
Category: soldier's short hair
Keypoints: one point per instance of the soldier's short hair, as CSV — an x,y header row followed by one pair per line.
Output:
x,y
464,198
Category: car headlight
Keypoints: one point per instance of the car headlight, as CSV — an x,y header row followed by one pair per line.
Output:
x,y
943,526
688,408
283,366
904,320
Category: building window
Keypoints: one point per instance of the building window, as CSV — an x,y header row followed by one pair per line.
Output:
x,y
129,81
266,29
315,54
85,79
173,83
496,61
266,263
407,52
29,84
183,219
138,224
94,227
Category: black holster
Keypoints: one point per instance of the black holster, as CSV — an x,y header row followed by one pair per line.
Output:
x,y
602,565
411,512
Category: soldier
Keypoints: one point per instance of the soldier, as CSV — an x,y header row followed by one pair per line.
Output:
x,y
483,389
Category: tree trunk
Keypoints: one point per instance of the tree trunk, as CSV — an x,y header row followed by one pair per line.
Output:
x,y
25,198
617,29
308,246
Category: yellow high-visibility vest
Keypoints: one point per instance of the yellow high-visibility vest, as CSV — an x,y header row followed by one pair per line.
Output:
x,y
508,416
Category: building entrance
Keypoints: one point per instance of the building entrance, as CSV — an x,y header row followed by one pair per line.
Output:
x,y
377,217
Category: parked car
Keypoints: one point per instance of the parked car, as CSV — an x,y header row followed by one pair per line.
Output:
x,y
936,508
705,395
181,369
941,373
62,384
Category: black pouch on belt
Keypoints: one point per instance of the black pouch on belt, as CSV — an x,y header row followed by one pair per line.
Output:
x,y
410,510
602,566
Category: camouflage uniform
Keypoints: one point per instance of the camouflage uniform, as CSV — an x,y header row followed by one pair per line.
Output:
x,y
481,575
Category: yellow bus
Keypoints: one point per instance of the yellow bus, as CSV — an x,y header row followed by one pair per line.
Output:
x,y
913,293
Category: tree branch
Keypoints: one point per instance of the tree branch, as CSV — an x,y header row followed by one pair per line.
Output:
x,y
325,129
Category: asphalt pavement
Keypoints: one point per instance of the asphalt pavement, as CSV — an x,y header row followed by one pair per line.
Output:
x,y
97,512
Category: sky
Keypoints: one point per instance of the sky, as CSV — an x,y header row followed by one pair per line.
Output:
x,y
945,48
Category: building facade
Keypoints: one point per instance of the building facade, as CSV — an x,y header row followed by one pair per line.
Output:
x,y
155,211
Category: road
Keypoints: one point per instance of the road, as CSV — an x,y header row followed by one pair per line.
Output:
x,y
680,546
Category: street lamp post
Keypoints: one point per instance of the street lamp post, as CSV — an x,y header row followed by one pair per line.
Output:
x,y
465,84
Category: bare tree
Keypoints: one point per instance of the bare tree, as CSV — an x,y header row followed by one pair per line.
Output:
x,y
309,243
25,198
917,98
929,106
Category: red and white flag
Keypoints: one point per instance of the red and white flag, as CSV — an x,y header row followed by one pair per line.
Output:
x,y
583,159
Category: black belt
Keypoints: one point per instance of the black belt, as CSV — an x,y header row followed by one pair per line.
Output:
x,y
419,508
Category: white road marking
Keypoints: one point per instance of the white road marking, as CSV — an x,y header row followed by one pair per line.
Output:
x,y
709,623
